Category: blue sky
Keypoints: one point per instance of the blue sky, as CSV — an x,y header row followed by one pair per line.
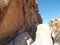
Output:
x,y
49,9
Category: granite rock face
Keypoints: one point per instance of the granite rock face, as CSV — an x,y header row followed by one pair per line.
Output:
x,y
20,39
55,24
3,3
18,16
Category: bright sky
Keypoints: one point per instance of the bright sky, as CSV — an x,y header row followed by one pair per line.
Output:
x,y
49,9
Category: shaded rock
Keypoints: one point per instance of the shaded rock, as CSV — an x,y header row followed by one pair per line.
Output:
x,y
18,16
21,39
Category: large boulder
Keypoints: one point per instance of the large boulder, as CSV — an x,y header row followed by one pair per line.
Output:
x,y
43,35
18,16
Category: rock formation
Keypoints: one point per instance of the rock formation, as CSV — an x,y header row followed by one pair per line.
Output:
x,y
43,35
55,25
18,16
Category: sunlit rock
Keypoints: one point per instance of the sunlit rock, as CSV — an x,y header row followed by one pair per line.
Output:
x,y
43,35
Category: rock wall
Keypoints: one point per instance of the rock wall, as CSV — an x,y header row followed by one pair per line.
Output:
x,y
18,16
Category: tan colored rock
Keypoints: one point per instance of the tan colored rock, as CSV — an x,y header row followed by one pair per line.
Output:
x,y
55,25
18,17
3,3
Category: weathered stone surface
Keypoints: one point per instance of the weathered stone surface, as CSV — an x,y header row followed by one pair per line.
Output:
x,y
55,25
18,16
21,39
3,3
43,35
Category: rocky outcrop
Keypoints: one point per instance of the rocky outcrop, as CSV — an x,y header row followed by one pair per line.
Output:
x,y
55,25
18,16
43,35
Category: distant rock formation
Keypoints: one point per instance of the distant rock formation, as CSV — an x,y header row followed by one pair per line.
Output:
x,y
18,16
55,25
